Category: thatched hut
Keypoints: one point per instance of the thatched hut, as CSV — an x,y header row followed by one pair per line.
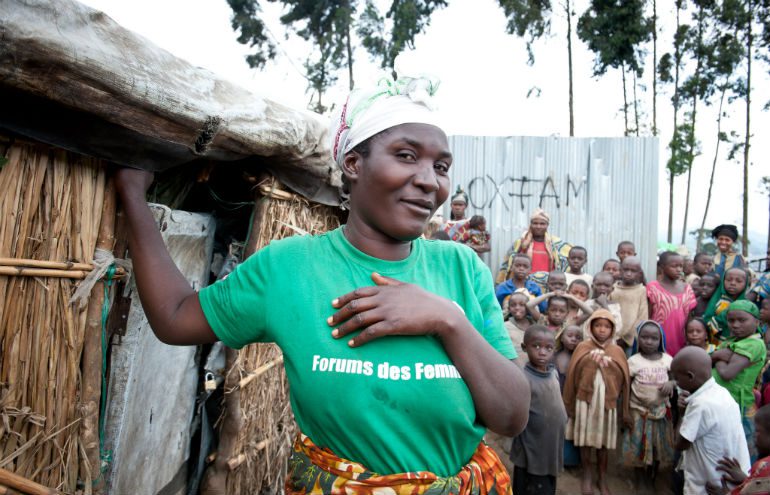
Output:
x,y
83,385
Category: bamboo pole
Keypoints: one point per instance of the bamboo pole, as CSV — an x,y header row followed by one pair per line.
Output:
x,y
24,485
92,346
15,271
260,371
57,265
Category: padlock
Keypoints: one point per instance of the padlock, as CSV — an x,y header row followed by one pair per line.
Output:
x,y
209,383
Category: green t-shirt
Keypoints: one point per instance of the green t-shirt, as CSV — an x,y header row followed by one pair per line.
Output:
x,y
742,386
396,404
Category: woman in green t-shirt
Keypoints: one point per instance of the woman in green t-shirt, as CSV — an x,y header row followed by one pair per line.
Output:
x,y
412,345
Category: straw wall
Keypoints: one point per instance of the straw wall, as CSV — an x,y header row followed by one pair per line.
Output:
x,y
264,425
50,209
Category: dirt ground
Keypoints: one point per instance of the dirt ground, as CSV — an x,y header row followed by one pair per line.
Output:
x,y
621,479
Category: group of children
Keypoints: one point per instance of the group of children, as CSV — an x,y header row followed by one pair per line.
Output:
x,y
608,356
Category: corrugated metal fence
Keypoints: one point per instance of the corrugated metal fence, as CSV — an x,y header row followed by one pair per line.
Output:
x,y
598,191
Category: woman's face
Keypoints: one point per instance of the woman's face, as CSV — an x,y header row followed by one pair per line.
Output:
x,y
458,209
724,243
397,188
538,227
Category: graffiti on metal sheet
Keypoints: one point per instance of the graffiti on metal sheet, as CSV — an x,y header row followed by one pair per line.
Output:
x,y
484,191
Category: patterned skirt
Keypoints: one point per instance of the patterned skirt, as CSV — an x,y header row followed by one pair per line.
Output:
x,y
313,470
593,425
648,441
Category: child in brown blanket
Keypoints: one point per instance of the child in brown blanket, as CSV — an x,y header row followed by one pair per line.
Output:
x,y
596,378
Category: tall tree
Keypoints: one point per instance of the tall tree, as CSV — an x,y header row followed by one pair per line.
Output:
x,y
720,65
695,87
614,31
531,19
654,30
675,165
742,15
408,18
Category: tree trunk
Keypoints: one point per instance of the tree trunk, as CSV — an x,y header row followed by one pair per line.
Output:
x,y
689,170
625,99
671,176
654,68
349,47
746,144
636,107
713,166
693,120
568,9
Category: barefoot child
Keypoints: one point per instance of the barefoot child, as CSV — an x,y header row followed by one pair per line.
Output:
x,y
671,300
735,283
565,347
537,452
648,444
739,360
597,382
711,422
697,334
517,322
521,267
707,286
631,295
758,479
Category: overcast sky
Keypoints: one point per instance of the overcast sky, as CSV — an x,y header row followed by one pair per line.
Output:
x,y
484,86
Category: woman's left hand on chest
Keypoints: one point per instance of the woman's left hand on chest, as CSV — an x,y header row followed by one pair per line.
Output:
x,y
391,308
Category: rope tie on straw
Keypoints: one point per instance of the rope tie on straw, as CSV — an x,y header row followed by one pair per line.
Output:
x,y
103,261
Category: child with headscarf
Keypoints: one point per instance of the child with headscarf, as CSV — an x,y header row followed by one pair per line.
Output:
x,y
739,360
732,288
597,383
648,444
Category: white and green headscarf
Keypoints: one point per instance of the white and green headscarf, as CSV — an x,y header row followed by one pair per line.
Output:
x,y
367,112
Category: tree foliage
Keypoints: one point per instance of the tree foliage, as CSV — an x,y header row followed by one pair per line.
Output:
x,y
614,31
252,31
325,23
408,18
528,18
